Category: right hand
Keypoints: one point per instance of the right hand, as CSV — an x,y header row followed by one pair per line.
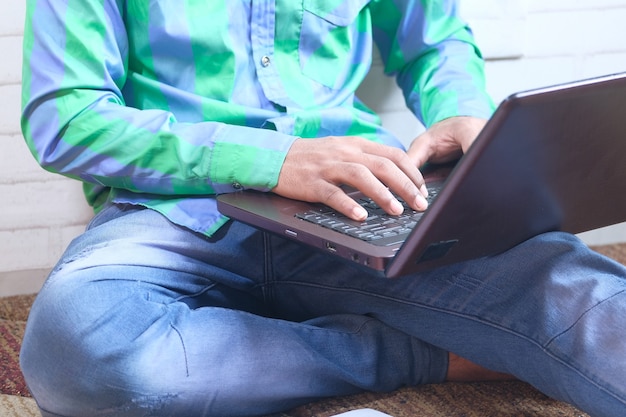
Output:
x,y
314,170
446,140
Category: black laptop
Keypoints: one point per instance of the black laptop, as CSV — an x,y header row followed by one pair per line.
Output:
x,y
548,159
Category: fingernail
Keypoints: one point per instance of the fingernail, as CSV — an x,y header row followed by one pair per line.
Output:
x,y
424,190
359,213
396,207
421,202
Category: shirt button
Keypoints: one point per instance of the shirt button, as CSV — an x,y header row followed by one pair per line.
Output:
x,y
237,186
265,61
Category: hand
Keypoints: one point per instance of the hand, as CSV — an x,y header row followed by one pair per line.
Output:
x,y
314,170
446,140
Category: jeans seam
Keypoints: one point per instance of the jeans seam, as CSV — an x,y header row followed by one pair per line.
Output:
x,y
585,313
182,343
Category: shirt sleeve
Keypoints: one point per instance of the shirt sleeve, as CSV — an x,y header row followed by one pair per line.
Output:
x,y
76,122
434,57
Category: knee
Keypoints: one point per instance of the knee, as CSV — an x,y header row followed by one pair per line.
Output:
x,y
123,354
79,360
77,376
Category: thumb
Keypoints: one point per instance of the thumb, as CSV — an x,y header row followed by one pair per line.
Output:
x,y
420,150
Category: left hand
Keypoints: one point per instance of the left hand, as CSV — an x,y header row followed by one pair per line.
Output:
x,y
446,140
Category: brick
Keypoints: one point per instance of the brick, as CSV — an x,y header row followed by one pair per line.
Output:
x,y
555,33
11,69
602,64
536,6
504,17
30,255
12,16
43,204
10,109
511,40
25,249
26,281
576,32
17,165
606,32
507,77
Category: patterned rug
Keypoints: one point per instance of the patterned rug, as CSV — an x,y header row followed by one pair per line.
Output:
x,y
485,399
13,314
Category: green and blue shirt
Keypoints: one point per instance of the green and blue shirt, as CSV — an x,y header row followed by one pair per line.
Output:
x,y
166,103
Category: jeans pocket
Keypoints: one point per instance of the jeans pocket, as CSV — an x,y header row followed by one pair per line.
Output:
x,y
332,46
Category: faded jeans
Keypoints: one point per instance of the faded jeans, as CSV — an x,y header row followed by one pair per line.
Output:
x,y
142,317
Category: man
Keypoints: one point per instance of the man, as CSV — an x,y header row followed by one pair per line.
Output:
x,y
165,307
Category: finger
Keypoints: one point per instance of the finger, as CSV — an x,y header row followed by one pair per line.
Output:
x,y
402,178
420,150
334,197
396,169
398,156
407,190
361,177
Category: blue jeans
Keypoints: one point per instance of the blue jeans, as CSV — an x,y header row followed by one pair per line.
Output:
x,y
142,317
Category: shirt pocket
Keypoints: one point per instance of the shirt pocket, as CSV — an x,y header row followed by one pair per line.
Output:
x,y
332,42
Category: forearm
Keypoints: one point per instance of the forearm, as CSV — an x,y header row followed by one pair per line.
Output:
x,y
109,144
77,122
447,81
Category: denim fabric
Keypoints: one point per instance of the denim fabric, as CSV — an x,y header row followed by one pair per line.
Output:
x,y
142,317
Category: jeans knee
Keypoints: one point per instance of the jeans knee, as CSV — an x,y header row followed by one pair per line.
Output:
x,y
79,358
127,378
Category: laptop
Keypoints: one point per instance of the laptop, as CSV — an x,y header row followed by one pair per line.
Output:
x,y
548,159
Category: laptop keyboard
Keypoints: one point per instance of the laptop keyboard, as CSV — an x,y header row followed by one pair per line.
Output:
x,y
379,228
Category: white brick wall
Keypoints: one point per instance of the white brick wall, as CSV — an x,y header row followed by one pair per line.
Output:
x,y
528,43
41,212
